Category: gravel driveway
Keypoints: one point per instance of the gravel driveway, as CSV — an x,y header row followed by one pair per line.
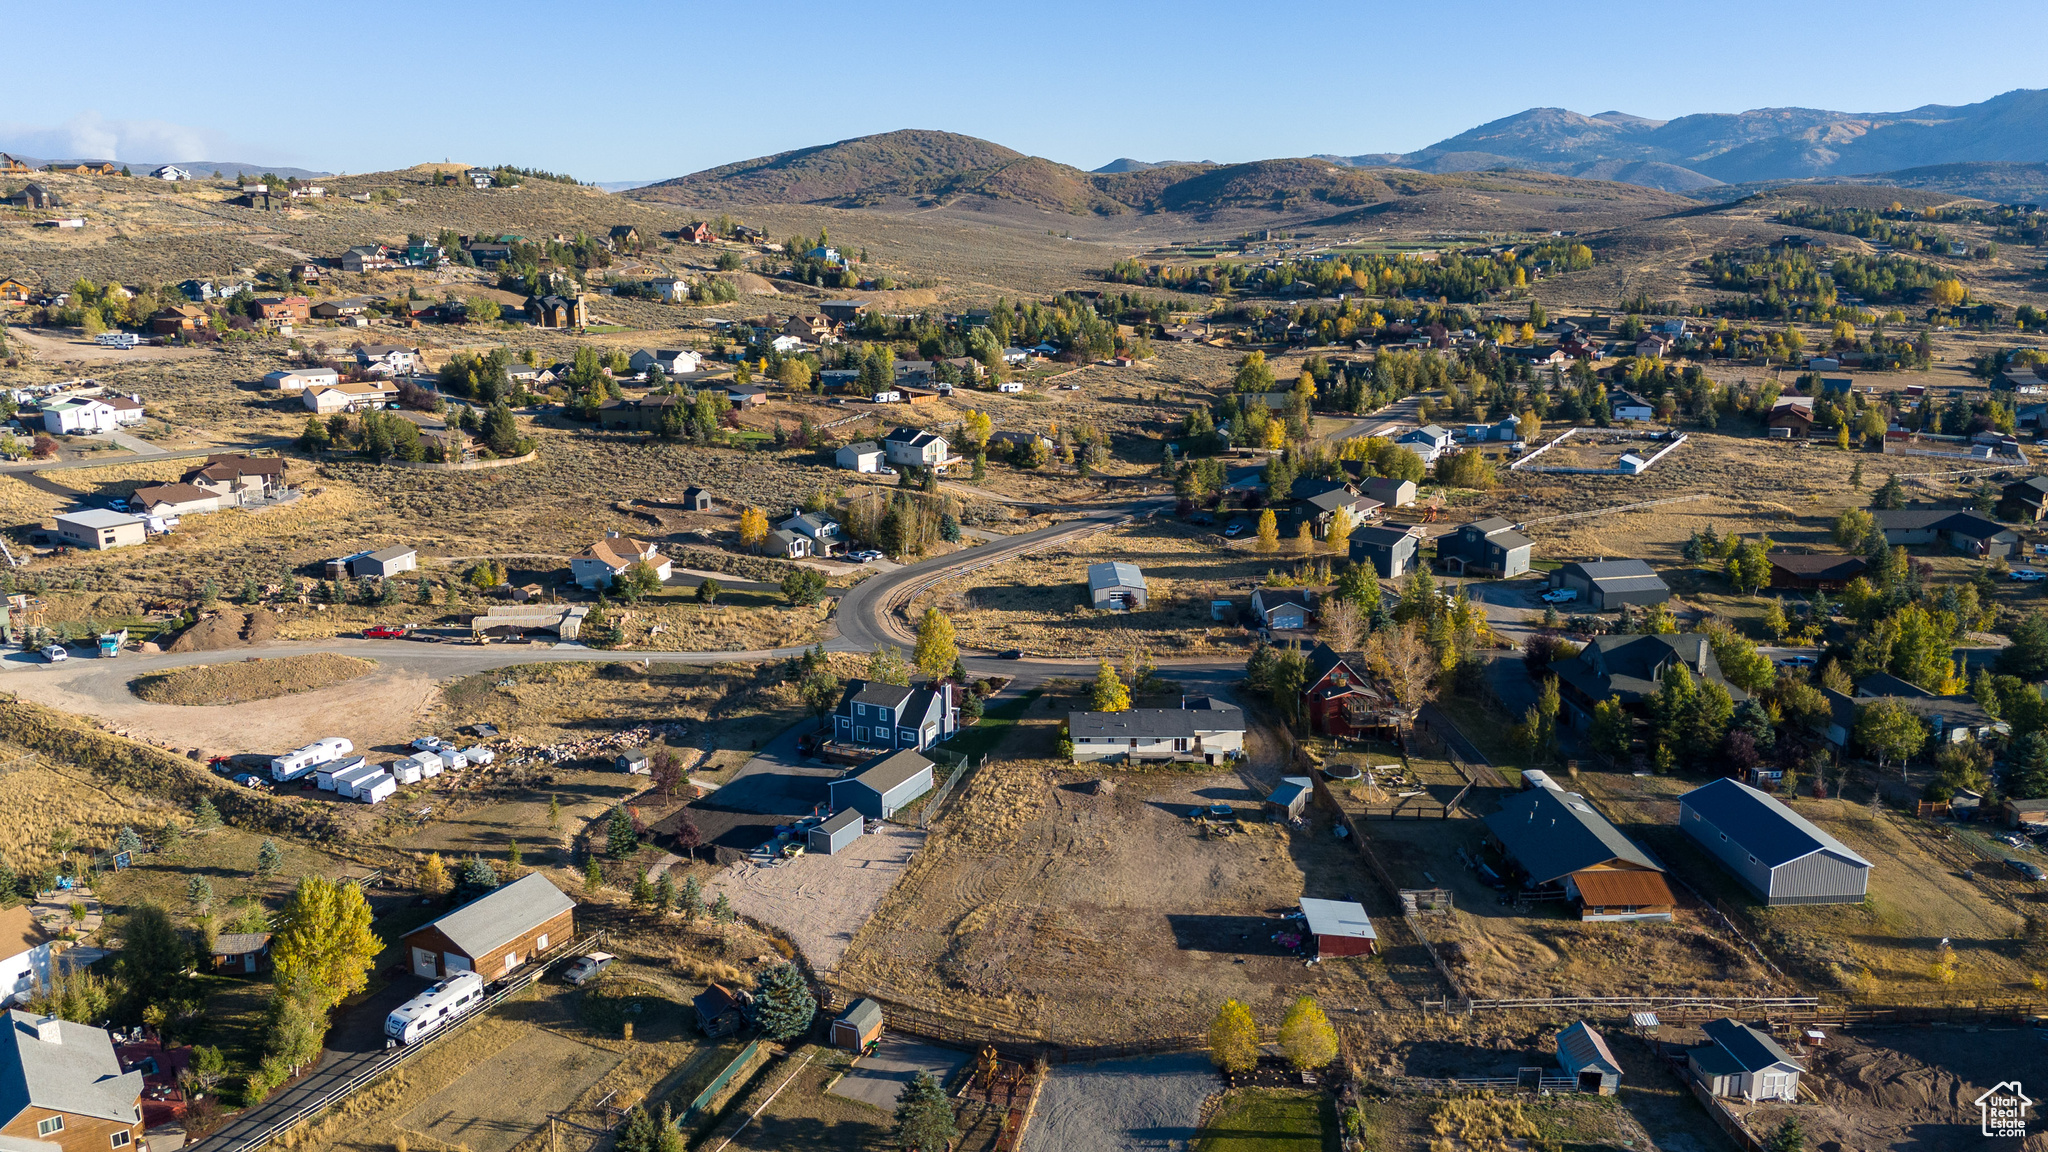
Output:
x,y
1149,1103
820,901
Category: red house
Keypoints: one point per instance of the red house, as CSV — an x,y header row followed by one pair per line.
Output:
x,y
1339,699
698,233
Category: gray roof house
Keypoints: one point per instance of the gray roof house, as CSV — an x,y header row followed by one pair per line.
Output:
x,y
1605,585
1484,547
1560,842
1390,550
1117,585
1632,667
1428,442
860,456
1282,609
1738,1060
1777,854
884,785
1389,492
1202,728
56,1075
1964,532
1584,1056
874,715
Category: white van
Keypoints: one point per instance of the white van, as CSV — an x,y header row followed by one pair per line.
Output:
x,y
444,1003
372,789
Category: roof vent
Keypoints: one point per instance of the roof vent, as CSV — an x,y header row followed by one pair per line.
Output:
x,y
610,535
48,1030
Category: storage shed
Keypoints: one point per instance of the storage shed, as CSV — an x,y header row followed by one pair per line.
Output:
x,y
1583,1054
383,562
1340,928
97,529
884,784
495,933
1606,585
246,953
1290,799
858,1025
1775,852
832,837
1116,585
696,500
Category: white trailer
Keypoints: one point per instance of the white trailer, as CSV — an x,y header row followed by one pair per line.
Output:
x,y
406,770
452,758
346,783
299,761
478,754
372,789
326,772
437,1007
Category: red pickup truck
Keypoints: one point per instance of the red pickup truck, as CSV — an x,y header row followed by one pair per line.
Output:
x,y
385,632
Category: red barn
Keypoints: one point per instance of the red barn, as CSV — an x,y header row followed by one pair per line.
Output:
x,y
1339,928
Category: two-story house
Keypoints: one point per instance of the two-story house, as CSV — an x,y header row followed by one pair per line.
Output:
x,y
827,537
672,361
596,566
62,1088
1429,442
367,258
386,359
877,716
1491,547
915,448
1632,668
242,477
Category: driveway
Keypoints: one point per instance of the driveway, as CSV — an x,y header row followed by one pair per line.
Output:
x,y
1142,1105
776,787
877,1080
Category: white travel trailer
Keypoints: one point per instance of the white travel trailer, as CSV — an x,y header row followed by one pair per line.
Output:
x,y
437,1007
373,789
406,770
333,768
452,758
299,761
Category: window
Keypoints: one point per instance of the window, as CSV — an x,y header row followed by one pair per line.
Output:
x,y
860,709
119,1139
860,735
1180,744
49,1125
542,943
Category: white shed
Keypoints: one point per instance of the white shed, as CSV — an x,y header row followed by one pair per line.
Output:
x,y
861,456
1117,585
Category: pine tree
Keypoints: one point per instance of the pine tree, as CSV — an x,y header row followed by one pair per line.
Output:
x,y
512,856
784,1006
554,813
643,891
924,1116
664,893
691,899
620,839
1234,1038
205,817
1306,1035
269,858
199,892
593,875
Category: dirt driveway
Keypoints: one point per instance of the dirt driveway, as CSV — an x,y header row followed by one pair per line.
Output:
x,y
1123,1105
56,347
819,901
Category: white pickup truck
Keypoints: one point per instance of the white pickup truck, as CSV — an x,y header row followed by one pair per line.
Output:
x,y
1560,595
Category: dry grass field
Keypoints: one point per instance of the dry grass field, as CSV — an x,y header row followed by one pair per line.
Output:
x,y
249,680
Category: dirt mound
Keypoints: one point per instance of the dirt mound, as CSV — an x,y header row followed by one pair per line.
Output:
x,y
228,628
754,284
248,680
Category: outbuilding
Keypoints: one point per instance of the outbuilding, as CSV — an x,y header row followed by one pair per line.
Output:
x,y
833,836
1290,799
241,953
1738,1060
1607,585
1584,1056
494,934
384,562
1339,928
98,529
858,1026
1775,852
696,500
860,456
1116,586
884,784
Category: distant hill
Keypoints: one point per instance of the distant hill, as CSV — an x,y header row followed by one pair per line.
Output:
x,y
926,168
1126,164
204,169
2003,182
1764,144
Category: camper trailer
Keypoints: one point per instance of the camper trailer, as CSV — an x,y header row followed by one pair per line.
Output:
x,y
299,761
406,770
346,784
437,1007
376,788
327,773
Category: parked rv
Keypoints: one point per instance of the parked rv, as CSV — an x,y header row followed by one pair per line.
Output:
x,y
437,1007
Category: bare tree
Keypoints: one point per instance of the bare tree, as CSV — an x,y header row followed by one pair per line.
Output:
x,y
1401,657
667,770
1342,625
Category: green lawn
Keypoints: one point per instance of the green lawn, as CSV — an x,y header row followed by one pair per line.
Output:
x,y
995,725
1271,1120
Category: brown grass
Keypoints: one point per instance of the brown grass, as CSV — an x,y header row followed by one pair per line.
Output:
x,y
254,679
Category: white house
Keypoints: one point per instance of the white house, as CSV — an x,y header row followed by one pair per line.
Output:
x,y
97,529
1200,729
292,381
127,409
786,344
671,289
915,448
79,415
387,359
673,361
177,499
860,456
824,532
1629,406
171,172
350,396
1282,608
788,545
596,566
24,955
1428,442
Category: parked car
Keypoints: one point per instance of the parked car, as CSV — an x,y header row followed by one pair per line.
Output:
x,y
1202,518
428,744
56,654
248,780
1236,528
1560,596
385,632
2025,870
1796,660
1010,654
584,968
2027,575
867,557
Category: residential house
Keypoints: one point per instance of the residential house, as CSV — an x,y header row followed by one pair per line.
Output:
x,y
33,195
241,953
78,416
348,396
62,1088
97,529
1740,1061
672,361
1966,532
387,359
842,311
2025,500
670,289
884,785
787,544
13,291
723,1011
1338,928
424,255
1632,667
239,476
283,309
1116,586
1563,845
340,309
639,413
1838,387
1390,550
746,395
448,445
2030,816
1949,719
25,955
1629,406
695,233
1009,443
813,329
496,933
826,536
1391,493
598,565
1807,571
488,254
480,178
1339,699
1606,585
916,448
1586,1059
178,318
622,236
558,311
786,345
367,258
1429,442
127,409
1202,728
1655,345
890,716
1490,547
179,499
1322,501
1791,418
1776,853
860,456
1282,609
383,563
14,166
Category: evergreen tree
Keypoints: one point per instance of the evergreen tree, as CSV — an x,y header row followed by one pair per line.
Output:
x,y
620,838
478,876
691,899
593,875
664,893
924,1116
784,1006
1890,496
269,858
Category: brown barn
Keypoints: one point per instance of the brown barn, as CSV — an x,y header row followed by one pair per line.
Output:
x,y
62,1088
1339,928
1806,571
494,934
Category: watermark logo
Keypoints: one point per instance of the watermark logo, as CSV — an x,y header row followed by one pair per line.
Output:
x,y
2004,1110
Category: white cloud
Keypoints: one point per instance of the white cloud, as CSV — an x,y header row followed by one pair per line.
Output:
x,y
91,136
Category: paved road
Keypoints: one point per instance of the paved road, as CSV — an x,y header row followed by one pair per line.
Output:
x,y
110,461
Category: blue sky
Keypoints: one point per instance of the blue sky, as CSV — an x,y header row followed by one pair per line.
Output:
x,y
640,89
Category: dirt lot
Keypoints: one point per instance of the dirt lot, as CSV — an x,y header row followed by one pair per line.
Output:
x,y
819,902
1153,1102
250,680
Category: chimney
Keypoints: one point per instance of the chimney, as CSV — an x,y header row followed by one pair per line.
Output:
x,y
610,535
47,1030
